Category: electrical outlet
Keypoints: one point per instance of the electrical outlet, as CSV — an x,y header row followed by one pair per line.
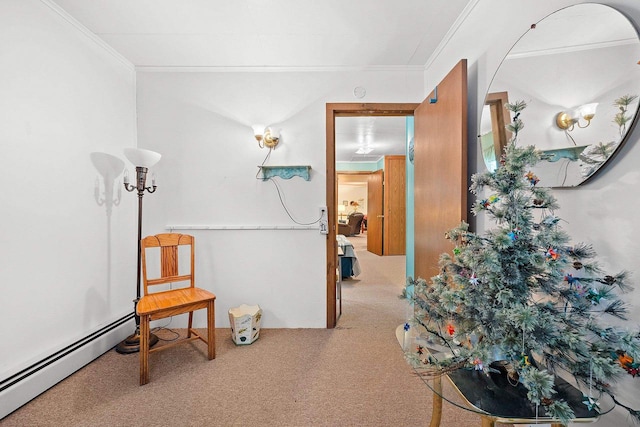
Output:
x,y
324,220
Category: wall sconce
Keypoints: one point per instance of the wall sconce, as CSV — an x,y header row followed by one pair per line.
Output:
x,y
567,120
266,137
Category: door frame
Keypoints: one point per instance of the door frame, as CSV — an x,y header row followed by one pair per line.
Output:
x,y
334,110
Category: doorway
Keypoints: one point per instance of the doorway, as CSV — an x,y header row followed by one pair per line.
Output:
x,y
440,172
345,110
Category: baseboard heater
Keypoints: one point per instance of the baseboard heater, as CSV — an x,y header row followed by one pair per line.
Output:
x,y
27,374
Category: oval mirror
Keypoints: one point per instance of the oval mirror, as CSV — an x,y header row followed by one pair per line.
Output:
x,y
578,71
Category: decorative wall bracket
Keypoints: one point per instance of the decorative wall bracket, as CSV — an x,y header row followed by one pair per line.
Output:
x,y
571,153
285,172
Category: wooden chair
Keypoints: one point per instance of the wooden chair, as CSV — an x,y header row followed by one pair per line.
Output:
x,y
158,305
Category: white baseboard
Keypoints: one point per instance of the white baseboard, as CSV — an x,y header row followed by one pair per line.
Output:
x,y
31,384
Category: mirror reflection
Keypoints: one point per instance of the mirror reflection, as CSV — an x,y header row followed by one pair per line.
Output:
x,y
578,71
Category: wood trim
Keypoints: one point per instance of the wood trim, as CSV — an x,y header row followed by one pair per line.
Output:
x,y
334,110
371,109
500,118
332,202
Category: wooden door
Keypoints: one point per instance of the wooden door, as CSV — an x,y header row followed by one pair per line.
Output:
x,y
440,174
375,212
395,215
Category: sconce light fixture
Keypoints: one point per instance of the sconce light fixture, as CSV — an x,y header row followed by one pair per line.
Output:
x,y
266,136
566,120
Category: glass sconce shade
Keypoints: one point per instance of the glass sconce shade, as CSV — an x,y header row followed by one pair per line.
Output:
x,y
258,131
587,111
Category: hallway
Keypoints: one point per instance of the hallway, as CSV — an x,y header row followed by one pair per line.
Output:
x,y
379,284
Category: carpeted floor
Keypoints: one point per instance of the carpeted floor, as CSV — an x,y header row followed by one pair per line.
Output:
x,y
353,375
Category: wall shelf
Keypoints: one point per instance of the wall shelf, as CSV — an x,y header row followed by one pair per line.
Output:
x,y
285,172
572,153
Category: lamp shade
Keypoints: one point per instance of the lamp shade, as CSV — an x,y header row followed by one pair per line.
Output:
x,y
587,111
275,132
142,157
258,130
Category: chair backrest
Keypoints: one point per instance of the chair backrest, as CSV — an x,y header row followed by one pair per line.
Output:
x,y
355,221
168,244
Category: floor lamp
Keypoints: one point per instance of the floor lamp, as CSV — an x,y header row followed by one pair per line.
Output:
x,y
143,159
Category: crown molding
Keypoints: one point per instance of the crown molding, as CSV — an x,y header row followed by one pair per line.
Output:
x,y
452,31
87,33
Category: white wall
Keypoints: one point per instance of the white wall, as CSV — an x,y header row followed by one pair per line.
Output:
x,y
354,191
200,122
66,267
602,212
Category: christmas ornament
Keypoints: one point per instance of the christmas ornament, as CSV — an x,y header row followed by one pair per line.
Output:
x,y
532,178
594,296
473,279
570,279
451,329
478,365
591,403
627,363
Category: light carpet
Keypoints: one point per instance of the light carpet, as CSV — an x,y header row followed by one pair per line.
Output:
x,y
353,375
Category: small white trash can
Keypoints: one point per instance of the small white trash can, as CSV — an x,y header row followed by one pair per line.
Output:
x,y
245,323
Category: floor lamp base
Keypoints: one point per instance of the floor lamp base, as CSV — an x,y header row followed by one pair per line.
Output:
x,y
131,344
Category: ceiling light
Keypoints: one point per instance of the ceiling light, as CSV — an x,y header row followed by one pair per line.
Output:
x,y
364,150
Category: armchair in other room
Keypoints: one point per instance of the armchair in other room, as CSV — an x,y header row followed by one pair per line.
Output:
x,y
353,225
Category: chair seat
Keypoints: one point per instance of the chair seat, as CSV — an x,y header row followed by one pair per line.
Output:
x,y
175,301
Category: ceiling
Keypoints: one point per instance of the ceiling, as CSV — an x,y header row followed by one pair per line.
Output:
x,y
383,135
275,34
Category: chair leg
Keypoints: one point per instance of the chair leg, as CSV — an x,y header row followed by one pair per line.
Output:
x,y
144,350
190,324
211,329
